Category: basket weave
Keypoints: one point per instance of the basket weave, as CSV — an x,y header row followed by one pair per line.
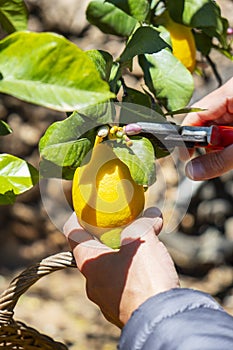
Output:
x,y
15,334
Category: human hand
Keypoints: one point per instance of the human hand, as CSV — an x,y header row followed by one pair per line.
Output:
x,y
219,110
120,281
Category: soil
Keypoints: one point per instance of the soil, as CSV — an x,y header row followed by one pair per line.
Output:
x,y
198,228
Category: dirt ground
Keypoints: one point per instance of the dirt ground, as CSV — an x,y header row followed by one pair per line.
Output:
x,y
198,228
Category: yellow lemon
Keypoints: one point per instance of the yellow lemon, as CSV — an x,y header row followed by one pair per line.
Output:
x,y
104,194
182,39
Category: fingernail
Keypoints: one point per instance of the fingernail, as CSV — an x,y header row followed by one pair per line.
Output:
x,y
152,212
195,170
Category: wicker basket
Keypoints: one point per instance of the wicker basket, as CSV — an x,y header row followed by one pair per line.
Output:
x,y
15,334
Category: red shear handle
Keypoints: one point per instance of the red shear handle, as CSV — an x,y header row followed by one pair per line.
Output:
x,y
222,136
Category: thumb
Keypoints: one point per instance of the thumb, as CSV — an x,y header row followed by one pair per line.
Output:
x,y
151,221
84,246
210,165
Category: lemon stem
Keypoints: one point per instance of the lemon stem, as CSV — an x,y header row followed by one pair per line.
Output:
x,y
102,132
98,139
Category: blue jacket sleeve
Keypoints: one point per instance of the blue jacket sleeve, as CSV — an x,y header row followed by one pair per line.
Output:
x,y
179,319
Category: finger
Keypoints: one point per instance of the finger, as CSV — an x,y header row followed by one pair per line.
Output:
x,y
154,217
150,222
211,111
185,154
71,225
74,232
210,165
217,104
82,243
89,250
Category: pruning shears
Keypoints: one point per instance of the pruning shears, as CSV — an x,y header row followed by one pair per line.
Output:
x,y
169,135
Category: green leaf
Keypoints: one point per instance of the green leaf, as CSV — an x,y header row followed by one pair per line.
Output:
x,y
144,40
16,176
101,113
140,160
5,129
67,154
225,52
48,70
48,169
13,15
138,106
221,34
137,97
185,110
66,143
165,35
103,62
114,79
167,79
138,9
63,144
195,13
110,19
203,43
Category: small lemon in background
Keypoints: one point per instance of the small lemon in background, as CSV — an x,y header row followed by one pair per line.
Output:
x,y
182,39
